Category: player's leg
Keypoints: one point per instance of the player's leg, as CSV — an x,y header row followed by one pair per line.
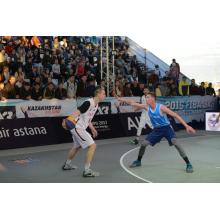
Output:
x,y
86,141
88,172
189,167
171,137
71,155
153,138
139,130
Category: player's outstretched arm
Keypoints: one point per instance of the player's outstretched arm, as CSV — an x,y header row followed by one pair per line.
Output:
x,y
166,110
132,103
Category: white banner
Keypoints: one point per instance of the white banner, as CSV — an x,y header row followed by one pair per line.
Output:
x,y
212,124
45,108
188,107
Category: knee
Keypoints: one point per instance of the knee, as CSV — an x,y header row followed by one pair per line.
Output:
x,y
145,143
174,141
93,146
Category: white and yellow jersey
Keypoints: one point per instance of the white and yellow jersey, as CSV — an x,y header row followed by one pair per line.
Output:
x,y
87,112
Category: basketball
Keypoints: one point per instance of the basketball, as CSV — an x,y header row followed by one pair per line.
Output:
x,y
69,123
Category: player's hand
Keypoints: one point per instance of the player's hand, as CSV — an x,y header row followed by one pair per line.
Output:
x,y
94,133
190,130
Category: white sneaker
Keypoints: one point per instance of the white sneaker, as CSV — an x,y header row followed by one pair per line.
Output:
x,y
69,167
90,173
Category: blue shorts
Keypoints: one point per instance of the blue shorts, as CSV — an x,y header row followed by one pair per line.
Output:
x,y
163,132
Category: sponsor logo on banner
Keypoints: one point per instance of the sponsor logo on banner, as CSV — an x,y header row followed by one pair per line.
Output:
x,y
45,108
23,131
212,124
104,108
190,108
7,112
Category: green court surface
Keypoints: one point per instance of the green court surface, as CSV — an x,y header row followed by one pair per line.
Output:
x,y
161,164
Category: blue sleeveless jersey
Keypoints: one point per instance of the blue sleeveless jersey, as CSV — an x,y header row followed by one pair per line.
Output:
x,y
158,119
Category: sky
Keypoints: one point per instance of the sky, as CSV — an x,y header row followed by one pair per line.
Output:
x,y
186,30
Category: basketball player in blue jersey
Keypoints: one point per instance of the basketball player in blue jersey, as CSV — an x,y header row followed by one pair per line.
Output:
x,y
161,128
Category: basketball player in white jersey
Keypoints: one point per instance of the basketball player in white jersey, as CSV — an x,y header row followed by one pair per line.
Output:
x,y
81,138
143,120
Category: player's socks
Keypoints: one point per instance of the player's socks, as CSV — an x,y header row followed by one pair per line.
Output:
x,y
186,160
68,162
87,166
139,158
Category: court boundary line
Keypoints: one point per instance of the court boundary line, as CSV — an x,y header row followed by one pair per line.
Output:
x,y
127,170
138,177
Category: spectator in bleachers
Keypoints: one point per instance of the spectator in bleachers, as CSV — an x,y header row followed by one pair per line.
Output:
x,y
47,60
56,70
153,80
120,63
172,85
202,90
19,73
90,89
157,71
174,70
21,55
25,91
210,90
49,91
60,92
135,88
36,92
158,91
141,89
20,81
127,90
80,69
5,75
183,87
36,58
81,87
3,59
165,90
118,90
133,76
71,87
35,41
2,92
28,67
134,62
56,44
11,91
34,73
193,88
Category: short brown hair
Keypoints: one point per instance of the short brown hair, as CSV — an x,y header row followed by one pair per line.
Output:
x,y
152,94
98,89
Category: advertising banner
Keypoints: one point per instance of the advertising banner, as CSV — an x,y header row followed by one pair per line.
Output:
x,y
45,131
190,107
45,108
212,121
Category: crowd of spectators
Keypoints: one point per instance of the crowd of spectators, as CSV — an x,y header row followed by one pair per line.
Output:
x,y
69,67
